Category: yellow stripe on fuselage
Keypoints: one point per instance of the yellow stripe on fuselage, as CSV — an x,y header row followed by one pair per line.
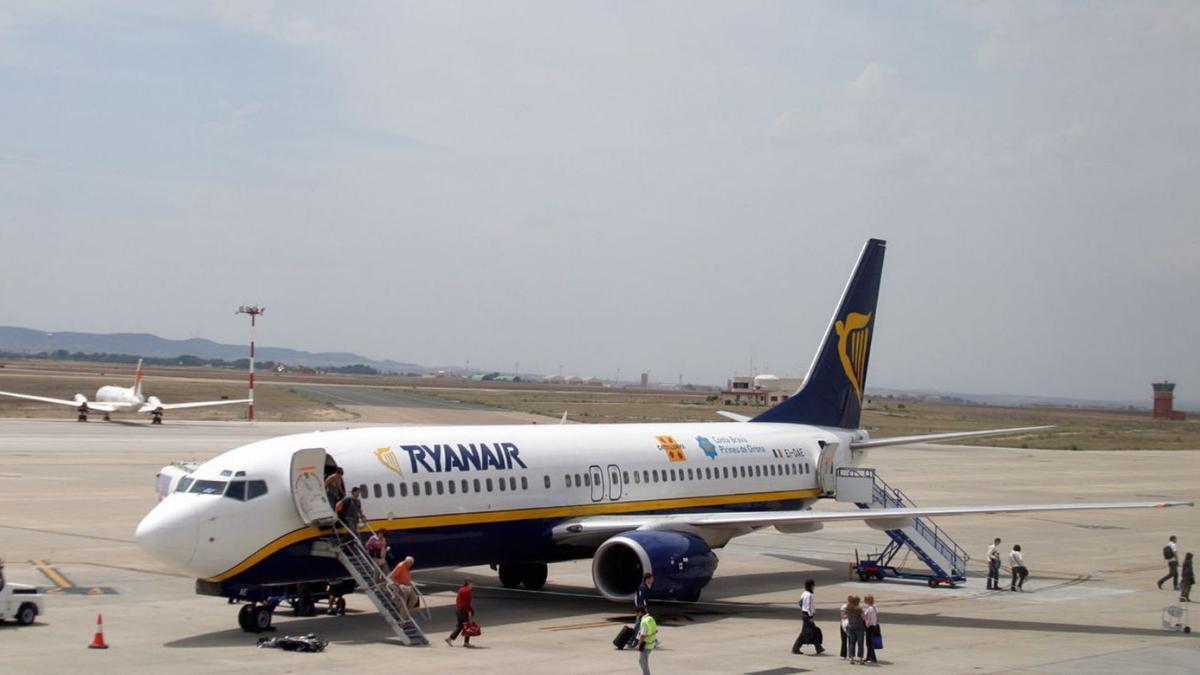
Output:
x,y
481,517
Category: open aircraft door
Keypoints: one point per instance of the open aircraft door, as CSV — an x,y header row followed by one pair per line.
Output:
x,y
826,471
308,487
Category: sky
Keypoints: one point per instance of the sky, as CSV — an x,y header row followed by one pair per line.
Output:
x,y
679,187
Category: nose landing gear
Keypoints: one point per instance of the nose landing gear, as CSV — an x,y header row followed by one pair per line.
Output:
x,y
255,618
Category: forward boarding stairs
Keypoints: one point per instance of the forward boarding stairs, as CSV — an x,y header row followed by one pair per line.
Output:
x,y
376,585
945,558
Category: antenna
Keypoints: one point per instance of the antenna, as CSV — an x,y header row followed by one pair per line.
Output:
x,y
254,311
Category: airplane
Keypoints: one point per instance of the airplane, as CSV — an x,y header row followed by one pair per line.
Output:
x,y
110,399
252,523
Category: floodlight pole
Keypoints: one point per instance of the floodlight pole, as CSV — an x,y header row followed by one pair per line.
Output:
x,y
254,311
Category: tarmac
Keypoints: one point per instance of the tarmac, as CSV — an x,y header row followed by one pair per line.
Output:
x,y
71,495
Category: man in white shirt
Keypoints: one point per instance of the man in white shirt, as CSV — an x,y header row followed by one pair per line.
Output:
x,y
809,633
1172,563
993,579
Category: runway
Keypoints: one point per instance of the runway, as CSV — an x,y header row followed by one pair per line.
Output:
x,y
71,494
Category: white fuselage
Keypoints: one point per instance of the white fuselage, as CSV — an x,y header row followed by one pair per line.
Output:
x,y
468,495
123,396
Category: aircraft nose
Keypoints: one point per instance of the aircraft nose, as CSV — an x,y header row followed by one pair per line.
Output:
x,y
168,533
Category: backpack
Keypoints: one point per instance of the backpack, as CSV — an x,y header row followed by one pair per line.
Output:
x,y
1168,552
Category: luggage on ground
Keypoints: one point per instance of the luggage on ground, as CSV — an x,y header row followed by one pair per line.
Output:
x,y
624,638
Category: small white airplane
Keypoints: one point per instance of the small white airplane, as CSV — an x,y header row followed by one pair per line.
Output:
x,y
110,399
252,524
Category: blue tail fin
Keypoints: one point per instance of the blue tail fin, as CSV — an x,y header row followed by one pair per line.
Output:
x,y
832,393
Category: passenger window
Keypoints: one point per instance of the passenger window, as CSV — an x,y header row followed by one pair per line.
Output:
x,y
708,473
646,477
547,477
489,485
416,488
568,480
184,484
655,474
689,474
578,481
362,491
236,490
450,486
404,489
637,477
476,485
378,491
512,483
587,479
256,488
524,483
439,487
725,472
501,482
428,489
465,485
625,475
391,489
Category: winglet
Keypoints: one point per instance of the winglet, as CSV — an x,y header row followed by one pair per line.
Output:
x,y
734,416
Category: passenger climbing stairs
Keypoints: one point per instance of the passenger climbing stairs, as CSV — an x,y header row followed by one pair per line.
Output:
x,y
383,593
945,558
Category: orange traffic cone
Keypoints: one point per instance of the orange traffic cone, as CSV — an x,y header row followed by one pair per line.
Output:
x,y
98,639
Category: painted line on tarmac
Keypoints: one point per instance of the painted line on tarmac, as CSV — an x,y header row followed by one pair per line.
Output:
x,y
52,574
64,585
42,530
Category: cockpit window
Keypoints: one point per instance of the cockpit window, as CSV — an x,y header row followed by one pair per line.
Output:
x,y
208,487
256,488
184,484
237,490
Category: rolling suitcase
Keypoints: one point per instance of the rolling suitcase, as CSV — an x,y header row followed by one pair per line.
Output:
x,y
624,638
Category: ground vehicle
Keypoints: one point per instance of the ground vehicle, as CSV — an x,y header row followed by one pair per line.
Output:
x,y
21,602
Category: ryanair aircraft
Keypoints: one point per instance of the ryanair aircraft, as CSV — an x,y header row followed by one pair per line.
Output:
x,y
632,497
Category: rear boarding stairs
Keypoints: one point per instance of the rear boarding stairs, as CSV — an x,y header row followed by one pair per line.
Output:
x,y
945,559
375,584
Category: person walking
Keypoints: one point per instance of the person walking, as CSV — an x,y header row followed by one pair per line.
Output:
x,y
871,618
335,487
641,599
1171,555
1019,571
647,639
464,611
1186,579
993,578
377,548
401,575
349,511
856,629
810,634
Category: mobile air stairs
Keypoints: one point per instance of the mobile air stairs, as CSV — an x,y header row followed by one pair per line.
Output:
x,y
946,560
376,585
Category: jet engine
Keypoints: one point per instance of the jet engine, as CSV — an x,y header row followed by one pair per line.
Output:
x,y
682,564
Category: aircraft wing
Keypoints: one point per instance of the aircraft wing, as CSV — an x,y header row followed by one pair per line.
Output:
x,y
933,438
741,522
150,407
102,407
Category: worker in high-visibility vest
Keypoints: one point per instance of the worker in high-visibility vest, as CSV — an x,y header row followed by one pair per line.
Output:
x,y
647,639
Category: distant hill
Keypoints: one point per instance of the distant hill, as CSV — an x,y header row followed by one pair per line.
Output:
x,y
30,341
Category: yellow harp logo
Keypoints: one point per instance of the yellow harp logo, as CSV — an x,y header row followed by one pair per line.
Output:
x,y
388,458
854,340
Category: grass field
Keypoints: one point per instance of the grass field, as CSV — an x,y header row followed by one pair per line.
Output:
x,y
1075,429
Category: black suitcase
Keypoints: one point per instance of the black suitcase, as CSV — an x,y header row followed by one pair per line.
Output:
x,y
624,638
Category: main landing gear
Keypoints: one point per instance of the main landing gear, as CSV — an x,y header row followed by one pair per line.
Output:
x,y
83,411
156,417
255,617
530,575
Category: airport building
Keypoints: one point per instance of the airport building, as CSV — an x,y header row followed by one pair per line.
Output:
x,y
759,390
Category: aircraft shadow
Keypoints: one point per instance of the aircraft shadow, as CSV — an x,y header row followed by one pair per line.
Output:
x,y
578,606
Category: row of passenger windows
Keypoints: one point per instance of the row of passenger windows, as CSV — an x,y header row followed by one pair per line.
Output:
x,y
708,473
510,484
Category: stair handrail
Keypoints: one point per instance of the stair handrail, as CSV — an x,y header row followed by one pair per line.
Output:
x,y
381,579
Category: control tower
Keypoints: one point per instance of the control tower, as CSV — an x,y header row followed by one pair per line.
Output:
x,y
1164,401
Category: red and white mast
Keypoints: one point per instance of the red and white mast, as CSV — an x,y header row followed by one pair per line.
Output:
x,y
253,311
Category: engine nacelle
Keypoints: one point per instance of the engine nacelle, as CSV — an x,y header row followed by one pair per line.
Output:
x,y
682,564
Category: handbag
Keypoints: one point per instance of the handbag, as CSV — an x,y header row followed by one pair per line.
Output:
x,y
471,629
876,638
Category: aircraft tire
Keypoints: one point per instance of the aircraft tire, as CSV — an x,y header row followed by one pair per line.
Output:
x,y
244,618
534,576
260,618
304,605
511,576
